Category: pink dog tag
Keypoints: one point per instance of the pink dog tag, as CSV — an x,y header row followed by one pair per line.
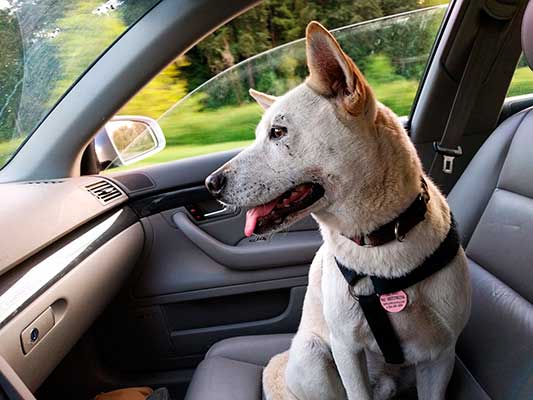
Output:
x,y
394,302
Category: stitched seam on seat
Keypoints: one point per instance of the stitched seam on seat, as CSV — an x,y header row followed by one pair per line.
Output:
x,y
239,361
474,380
499,279
481,265
526,112
513,192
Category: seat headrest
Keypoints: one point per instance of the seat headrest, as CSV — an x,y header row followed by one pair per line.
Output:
x,y
527,34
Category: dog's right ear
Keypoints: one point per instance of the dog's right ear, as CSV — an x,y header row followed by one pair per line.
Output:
x,y
263,99
333,73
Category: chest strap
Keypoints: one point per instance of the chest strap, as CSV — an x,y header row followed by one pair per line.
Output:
x,y
375,315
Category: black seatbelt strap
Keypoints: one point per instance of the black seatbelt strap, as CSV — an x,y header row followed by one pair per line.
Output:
x,y
375,315
492,19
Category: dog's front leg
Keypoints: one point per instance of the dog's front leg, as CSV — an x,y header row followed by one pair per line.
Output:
x,y
432,376
351,364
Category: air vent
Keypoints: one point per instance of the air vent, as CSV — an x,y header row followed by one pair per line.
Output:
x,y
104,191
49,182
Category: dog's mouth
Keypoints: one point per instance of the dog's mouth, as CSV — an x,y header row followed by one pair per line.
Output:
x,y
267,217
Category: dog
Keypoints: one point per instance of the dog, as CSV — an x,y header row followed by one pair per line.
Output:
x,y
329,149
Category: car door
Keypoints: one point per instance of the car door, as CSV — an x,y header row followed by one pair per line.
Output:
x,y
199,279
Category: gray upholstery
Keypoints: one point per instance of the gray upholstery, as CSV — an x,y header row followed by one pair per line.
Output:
x,y
496,218
232,368
493,205
233,371
527,34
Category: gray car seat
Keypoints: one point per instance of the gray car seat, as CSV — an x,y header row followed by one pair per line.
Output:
x,y
493,204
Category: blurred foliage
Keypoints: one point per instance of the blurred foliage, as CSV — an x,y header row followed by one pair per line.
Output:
x,y
46,46
11,72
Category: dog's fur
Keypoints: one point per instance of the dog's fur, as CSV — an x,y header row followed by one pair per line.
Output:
x,y
340,136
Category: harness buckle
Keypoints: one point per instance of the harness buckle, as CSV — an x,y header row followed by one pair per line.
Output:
x,y
448,156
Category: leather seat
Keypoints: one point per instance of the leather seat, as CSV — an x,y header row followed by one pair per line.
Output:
x,y
232,368
493,205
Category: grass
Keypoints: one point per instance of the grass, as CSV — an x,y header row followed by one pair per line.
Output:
x,y
522,82
178,152
204,127
7,148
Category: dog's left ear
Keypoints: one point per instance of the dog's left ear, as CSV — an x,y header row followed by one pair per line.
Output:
x,y
263,99
333,73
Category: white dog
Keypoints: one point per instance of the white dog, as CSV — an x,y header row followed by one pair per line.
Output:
x,y
329,148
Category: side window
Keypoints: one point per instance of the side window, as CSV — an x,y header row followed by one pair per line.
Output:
x,y
522,82
201,100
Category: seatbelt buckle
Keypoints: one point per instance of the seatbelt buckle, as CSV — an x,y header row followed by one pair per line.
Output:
x,y
448,156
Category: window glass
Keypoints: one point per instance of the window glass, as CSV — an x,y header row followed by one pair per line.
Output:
x,y
522,82
45,45
201,100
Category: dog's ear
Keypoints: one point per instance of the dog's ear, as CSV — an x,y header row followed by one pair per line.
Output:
x,y
263,99
333,73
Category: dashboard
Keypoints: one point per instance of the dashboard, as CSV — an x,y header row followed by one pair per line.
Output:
x,y
67,247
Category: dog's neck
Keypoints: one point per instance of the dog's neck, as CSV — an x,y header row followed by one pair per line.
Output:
x,y
380,191
391,183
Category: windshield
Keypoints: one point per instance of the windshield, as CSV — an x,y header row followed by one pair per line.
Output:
x,y
46,45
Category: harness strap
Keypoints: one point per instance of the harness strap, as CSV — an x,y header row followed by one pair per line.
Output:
x,y
376,317
382,329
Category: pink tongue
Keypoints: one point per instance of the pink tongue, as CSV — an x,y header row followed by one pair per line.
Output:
x,y
254,214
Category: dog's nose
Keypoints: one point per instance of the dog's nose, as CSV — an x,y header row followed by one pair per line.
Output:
x,y
215,183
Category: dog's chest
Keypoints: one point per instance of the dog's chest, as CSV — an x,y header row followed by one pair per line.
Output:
x,y
347,323
344,316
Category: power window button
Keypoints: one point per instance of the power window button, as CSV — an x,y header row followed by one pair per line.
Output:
x,y
36,330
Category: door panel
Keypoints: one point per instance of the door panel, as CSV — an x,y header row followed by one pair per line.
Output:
x,y
173,265
199,279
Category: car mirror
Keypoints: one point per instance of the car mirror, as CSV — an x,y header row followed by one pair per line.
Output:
x,y
127,139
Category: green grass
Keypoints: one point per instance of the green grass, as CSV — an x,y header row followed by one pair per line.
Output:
x,y
522,82
398,95
7,148
172,153
197,127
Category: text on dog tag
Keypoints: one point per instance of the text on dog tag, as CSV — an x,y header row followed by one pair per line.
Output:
x,y
394,302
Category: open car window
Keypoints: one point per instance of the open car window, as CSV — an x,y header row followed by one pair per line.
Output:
x,y
218,114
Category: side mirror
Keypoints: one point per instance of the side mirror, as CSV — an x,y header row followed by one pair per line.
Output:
x,y
126,139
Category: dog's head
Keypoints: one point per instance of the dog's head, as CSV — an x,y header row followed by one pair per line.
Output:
x,y
313,144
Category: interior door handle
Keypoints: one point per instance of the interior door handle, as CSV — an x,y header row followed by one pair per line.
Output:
x,y
220,213
293,248
199,214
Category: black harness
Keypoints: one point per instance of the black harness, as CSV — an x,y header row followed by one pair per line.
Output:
x,y
375,315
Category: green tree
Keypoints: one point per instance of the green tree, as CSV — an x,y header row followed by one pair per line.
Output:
x,y
11,73
160,94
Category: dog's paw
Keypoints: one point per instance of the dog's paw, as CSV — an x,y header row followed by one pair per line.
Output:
x,y
385,388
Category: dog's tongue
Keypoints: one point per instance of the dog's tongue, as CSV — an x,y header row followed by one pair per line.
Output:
x,y
254,214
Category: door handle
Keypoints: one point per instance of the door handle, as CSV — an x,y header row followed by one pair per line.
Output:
x,y
220,212
293,248
199,214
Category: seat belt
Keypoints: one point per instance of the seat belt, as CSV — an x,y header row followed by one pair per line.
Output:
x,y
494,17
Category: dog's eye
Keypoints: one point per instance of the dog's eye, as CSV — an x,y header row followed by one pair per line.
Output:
x,y
277,132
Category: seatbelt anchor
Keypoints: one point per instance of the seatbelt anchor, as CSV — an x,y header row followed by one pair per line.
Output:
x,y
448,156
